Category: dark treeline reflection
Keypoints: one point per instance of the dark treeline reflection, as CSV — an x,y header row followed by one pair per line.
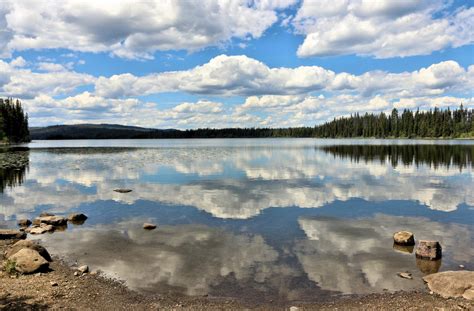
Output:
x,y
13,167
433,155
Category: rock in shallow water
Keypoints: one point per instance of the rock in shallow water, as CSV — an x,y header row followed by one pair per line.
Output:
x,y
430,250
452,284
23,222
77,217
122,190
53,220
29,261
149,226
405,275
405,238
7,234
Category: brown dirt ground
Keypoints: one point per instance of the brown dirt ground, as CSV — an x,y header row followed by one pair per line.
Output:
x,y
94,292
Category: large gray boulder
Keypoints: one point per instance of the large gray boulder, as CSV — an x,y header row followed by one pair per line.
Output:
x,y
29,261
15,248
452,284
7,234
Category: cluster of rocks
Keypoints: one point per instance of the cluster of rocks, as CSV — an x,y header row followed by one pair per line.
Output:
x,y
426,250
47,222
448,284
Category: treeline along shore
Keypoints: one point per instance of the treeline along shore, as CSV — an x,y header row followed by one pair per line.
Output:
x,y
13,122
435,123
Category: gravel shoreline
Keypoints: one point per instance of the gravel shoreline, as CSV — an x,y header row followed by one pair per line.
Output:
x,y
61,289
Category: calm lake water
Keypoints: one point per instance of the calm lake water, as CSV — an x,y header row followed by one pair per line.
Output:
x,y
255,219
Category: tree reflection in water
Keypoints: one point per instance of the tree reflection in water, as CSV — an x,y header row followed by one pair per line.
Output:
x,y
13,166
435,156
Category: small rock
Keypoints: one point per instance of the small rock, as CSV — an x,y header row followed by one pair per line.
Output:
x,y
24,222
83,269
461,266
452,284
405,275
404,238
293,308
29,261
149,226
430,250
15,248
6,234
93,273
77,218
76,273
122,190
53,283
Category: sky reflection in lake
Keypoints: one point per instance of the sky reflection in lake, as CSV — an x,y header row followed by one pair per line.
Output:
x,y
255,219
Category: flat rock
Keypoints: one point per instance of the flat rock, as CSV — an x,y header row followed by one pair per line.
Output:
x,y
149,226
45,214
123,190
15,248
24,222
405,275
42,228
430,250
29,261
452,284
404,238
7,234
53,220
77,217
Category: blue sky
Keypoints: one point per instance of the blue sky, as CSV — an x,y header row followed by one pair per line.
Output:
x,y
189,64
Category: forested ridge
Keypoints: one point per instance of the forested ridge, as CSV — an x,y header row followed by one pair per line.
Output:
x,y
13,122
434,123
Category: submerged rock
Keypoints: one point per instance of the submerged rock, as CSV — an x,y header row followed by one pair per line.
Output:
x,y
7,234
123,190
430,250
452,284
404,238
29,261
15,248
149,226
24,222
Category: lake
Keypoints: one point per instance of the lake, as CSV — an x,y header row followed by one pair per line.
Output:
x,y
254,219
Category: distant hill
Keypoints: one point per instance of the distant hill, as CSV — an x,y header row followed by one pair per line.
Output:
x,y
95,131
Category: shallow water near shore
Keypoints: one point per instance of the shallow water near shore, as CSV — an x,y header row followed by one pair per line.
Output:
x,y
255,219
